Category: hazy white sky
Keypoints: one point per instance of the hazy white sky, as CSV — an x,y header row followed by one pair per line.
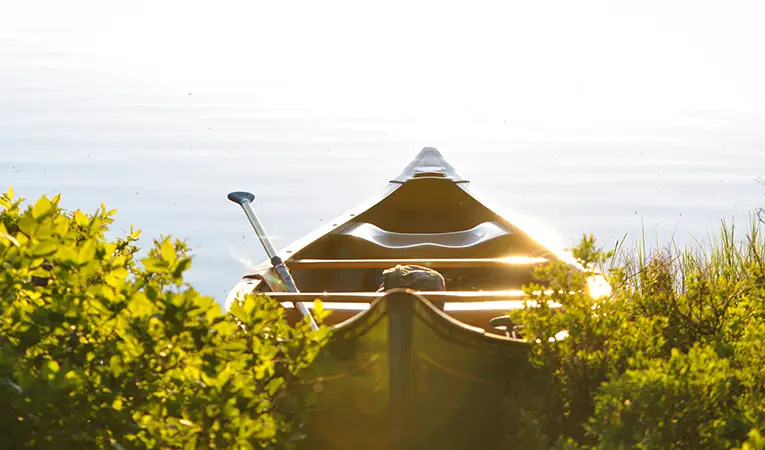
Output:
x,y
527,62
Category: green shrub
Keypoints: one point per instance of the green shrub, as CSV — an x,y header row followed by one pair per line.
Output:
x,y
687,401
671,359
99,349
602,335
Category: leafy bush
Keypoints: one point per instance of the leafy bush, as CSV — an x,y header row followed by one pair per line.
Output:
x,y
671,359
100,349
687,401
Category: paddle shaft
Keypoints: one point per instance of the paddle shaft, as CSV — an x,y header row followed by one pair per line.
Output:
x,y
244,200
259,230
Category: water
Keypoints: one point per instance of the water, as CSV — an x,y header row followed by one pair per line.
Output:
x,y
160,112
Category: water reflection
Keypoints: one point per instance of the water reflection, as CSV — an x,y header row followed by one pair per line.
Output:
x,y
162,123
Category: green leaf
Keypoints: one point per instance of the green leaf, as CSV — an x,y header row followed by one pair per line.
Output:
x,y
61,226
192,442
50,369
66,254
168,252
116,366
81,219
43,208
154,265
318,307
44,248
28,225
87,252
40,272
237,310
182,265
140,306
54,366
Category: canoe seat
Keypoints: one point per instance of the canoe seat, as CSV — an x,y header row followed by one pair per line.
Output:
x,y
475,236
523,262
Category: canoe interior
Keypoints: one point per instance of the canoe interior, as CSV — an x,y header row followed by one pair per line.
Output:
x,y
426,206
401,375
428,214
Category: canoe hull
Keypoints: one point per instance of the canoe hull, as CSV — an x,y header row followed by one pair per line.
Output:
x,y
404,375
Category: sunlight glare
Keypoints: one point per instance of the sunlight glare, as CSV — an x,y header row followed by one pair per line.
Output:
x,y
598,287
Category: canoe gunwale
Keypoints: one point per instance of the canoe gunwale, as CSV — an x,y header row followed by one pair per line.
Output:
x,y
455,331
446,326
423,309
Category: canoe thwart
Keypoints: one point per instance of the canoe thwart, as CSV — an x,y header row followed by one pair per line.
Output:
x,y
434,263
368,297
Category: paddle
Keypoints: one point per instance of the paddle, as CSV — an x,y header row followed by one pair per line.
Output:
x,y
244,199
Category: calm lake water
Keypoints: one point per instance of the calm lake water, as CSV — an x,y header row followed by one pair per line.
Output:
x,y
162,125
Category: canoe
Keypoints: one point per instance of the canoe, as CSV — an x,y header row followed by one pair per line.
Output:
x,y
428,216
399,372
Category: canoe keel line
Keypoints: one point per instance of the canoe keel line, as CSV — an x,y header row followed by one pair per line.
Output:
x,y
400,373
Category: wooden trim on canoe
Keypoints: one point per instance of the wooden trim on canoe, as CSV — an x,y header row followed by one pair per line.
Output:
x,y
369,297
438,263
450,308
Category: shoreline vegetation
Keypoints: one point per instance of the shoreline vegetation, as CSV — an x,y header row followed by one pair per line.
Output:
x,y
101,349
672,359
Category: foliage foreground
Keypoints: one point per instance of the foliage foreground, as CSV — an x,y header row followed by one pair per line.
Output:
x,y
102,349
674,358
99,349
